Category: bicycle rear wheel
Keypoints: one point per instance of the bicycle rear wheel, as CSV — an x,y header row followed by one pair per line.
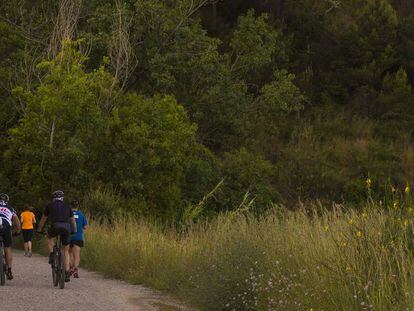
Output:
x,y
2,265
62,274
55,265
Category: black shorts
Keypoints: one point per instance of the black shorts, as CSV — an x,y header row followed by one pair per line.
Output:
x,y
6,233
27,235
77,243
62,229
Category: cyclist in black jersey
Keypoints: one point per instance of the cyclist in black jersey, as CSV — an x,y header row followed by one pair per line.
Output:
x,y
60,217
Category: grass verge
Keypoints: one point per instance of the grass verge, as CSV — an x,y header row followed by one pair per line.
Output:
x,y
334,261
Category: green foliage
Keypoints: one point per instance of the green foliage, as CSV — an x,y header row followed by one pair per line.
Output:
x,y
150,148
246,173
281,99
281,95
103,203
55,139
253,43
395,102
70,138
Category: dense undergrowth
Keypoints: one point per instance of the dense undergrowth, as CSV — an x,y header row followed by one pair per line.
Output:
x,y
324,260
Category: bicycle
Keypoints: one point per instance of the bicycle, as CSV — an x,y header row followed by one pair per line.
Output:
x,y
58,264
3,263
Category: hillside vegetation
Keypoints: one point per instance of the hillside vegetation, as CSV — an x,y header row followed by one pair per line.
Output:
x,y
147,106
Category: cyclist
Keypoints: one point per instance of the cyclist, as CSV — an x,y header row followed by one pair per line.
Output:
x,y
7,216
76,239
60,217
28,219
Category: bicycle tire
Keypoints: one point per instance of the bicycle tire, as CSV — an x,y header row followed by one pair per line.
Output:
x,y
2,266
62,274
55,265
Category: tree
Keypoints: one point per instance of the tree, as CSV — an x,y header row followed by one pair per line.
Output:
x,y
55,141
68,138
395,106
253,44
148,152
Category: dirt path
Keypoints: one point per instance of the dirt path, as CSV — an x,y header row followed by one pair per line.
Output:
x,y
32,289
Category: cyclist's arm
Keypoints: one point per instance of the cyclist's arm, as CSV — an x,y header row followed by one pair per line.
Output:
x,y
85,223
73,221
34,219
42,223
17,222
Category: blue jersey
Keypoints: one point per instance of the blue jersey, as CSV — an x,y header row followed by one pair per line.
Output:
x,y
80,223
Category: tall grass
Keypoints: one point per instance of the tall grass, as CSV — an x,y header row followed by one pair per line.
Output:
x,y
281,261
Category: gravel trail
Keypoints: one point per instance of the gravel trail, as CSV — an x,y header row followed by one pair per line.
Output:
x,y
32,289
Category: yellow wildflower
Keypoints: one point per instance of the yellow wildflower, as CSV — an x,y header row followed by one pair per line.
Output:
x,y
368,181
326,228
407,188
395,205
343,244
393,189
351,221
359,234
405,223
364,215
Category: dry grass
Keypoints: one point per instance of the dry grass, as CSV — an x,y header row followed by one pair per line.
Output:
x,y
334,261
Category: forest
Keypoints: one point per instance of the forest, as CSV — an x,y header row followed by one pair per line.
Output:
x,y
158,108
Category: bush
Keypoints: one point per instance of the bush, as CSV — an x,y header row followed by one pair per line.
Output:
x,y
102,202
246,172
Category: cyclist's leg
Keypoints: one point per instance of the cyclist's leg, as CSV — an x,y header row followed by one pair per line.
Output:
x,y
50,241
26,246
29,243
65,236
67,258
71,256
9,256
51,234
7,242
77,252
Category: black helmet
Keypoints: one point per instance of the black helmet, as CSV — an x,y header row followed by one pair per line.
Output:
x,y
58,194
4,197
74,203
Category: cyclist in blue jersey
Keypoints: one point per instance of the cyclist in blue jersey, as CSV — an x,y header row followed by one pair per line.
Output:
x,y
76,239
7,217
